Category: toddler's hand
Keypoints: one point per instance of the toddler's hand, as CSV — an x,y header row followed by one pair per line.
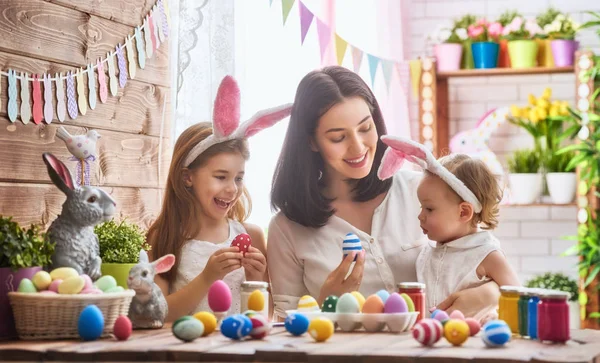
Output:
x,y
221,263
255,264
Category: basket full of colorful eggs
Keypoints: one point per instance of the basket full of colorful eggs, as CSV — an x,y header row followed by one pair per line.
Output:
x,y
49,306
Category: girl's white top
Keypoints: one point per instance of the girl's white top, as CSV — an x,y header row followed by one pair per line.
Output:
x,y
300,258
450,267
195,255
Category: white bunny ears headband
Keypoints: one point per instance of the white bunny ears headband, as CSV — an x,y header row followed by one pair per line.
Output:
x,y
226,119
401,149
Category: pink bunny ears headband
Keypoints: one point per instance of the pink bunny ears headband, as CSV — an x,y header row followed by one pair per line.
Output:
x,y
226,119
401,149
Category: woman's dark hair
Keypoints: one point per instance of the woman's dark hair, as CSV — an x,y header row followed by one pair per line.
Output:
x,y
296,190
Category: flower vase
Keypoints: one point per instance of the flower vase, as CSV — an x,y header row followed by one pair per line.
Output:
x,y
503,58
467,56
545,58
523,53
448,56
9,281
564,52
485,54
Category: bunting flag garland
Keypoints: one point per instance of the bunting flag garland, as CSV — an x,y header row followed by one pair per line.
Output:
x,y
286,7
357,56
141,44
373,64
340,48
306,18
324,33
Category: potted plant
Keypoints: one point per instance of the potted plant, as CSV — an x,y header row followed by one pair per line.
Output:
x,y
561,180
23,252
545,57
485,48
522,47
560,282
467,54
562,33
524,178
505,19
448,48
120,245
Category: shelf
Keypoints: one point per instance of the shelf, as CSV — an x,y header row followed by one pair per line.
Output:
x,y
504,72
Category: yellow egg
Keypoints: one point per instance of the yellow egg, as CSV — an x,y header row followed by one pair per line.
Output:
x,y
209,321
360,298
72,285
456,331
320,329
41,280
256,301
373,305
63,273
308,303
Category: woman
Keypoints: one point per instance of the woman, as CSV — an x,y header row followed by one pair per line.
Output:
x,y
325,185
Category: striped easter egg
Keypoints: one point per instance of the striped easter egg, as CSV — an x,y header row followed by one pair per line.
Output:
x,y
351,243
495,333
428,331
308,303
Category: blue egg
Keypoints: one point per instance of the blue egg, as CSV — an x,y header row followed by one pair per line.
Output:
x,y
91,323
495,333
351,243
383,294
296,324
236,326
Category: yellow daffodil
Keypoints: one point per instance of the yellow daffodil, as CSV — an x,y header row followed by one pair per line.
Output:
x,y
542,103
554,111
541,113
533,116
515,111
547,93
531,99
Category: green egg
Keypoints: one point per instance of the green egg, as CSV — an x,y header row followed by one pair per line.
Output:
x,y
347,304
106,283
330,304
26,285
409,302
115,289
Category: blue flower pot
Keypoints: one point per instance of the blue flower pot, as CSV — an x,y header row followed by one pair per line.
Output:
x,y
485,54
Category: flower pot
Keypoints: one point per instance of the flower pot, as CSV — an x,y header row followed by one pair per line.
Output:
x,y
562,187
544,54
574,315
467,56
503,58
564,52
525,188
120,271
9,281
448,56
522,53
485,54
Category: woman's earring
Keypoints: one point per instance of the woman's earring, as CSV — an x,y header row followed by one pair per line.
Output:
x,y
320,175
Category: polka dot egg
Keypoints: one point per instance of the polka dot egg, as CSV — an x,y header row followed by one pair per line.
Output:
x,y
428,331
351,244
296,324
308,303
321,329
236,326
456,331
330,304
495,333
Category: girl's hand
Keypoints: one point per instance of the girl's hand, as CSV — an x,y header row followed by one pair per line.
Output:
x,y
337,283
474,302
255,264
221,263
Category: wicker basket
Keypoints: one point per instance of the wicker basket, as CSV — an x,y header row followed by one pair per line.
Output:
x,y
41,316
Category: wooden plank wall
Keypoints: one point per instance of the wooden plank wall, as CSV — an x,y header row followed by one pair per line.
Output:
x,y
134,150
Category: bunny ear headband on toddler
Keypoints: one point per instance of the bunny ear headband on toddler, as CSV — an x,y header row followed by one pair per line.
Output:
x,y
226,119
401,149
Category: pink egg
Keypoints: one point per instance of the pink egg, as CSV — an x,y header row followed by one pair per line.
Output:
x,y
219,296
440,315
457,314
395,304
92,291
88,282
48,292
474,326
54,285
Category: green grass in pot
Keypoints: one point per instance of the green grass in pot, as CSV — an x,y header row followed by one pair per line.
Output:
x,y
555,281
524,162
120,242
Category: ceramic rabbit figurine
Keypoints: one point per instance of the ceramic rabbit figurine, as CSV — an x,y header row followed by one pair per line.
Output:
x,y
73,230
149,307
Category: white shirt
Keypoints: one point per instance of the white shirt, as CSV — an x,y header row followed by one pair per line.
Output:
x,y
300,258
450,267
195,255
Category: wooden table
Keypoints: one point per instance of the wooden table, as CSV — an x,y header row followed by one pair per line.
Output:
x,y
161,345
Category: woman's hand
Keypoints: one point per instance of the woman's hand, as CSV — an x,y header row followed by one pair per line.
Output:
x,y
255,265
337,283
221,263
475,302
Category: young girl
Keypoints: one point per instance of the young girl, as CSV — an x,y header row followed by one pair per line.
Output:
x,y
205,205
459,199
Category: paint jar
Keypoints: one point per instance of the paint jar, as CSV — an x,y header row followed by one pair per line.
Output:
x,y
416,291
508,306
553,316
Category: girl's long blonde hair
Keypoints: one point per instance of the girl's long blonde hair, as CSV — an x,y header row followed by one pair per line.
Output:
x,y
178,219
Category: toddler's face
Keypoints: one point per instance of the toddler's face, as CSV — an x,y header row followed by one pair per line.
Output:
x,y
440,210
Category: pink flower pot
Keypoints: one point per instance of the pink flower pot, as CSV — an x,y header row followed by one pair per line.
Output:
x,y
448,56
564,52
9,281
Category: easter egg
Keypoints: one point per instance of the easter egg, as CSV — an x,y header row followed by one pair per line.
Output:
x,y
236,326
114,289
351,244
219,296
91,322
347,304
457,314
474,326
395,304
187,328
428,331
440,315
321,329
72,285
243,242
27,286
41,280
456,331
329,304
495,333
296,324
256,301
105,283
88,282
383,294
208,320
308,303
360,298
48,292
373,305
63,273
409,302
249,313
54,285
260,326
122,328
93,291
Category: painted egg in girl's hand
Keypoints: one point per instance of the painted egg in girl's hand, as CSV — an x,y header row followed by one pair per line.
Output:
x,y
243,242
351,244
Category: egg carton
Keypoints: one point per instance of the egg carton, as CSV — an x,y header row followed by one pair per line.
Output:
x,y
395,322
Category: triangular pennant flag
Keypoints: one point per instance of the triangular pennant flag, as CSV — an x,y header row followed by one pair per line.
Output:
x,y
306,18
415,75
270,2
286,6
324,36
373,63
387,66
404,75
357,56
340,48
